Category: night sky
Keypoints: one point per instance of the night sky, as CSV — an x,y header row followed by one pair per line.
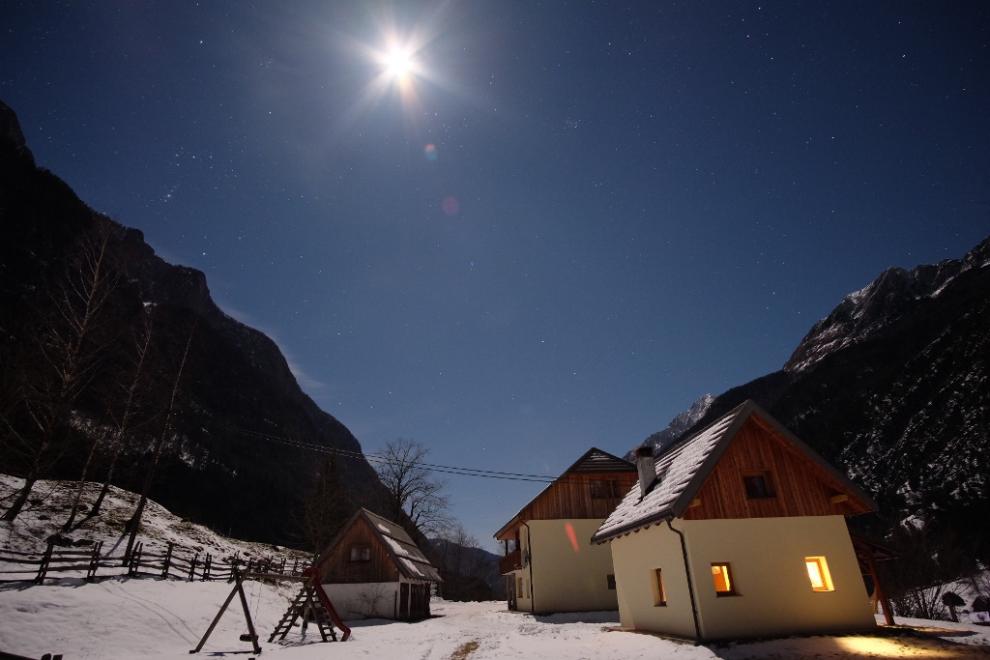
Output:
x,y
560,227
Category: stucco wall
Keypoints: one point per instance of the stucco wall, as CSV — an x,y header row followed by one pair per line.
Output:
x,y
636,557
364,600
569,573
766,556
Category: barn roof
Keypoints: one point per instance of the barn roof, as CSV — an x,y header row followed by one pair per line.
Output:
x,y
406,555
682,468
593,460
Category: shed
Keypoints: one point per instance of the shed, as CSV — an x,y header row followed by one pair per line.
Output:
x,y
373,568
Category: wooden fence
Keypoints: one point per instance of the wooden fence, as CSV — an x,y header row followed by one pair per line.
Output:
x,y
171,562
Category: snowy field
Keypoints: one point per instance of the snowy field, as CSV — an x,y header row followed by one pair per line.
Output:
x,y
150,618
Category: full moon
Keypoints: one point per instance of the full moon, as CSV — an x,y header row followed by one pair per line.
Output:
x,y
398,63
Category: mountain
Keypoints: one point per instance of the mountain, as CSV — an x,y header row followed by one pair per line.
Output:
x,y
677,426
228,460
894,386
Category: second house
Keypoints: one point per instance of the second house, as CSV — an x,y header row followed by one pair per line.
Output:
x,y
549,563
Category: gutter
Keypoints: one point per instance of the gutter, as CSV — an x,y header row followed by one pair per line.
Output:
x,y
529,545
687,573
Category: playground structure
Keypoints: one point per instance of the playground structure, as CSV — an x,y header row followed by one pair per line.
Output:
x,y
311,603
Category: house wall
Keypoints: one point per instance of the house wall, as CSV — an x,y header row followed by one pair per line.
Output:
x,y
636,558
569,573
766,559
337,567
801,487
364,600
570,497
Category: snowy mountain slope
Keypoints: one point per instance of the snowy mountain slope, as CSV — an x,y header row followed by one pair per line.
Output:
x,y
44,516
677,426
895,294
894,387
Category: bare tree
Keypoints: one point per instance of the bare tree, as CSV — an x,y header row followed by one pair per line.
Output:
x,y
116,434
411,488
70,352
167,429
327,507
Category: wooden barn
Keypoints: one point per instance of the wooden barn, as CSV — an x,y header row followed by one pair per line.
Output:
x,y
739,531
373,569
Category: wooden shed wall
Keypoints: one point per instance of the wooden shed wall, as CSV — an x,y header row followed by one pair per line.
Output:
x,y
339,568
801,487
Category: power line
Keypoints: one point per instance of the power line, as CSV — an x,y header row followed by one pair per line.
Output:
x,y
377,458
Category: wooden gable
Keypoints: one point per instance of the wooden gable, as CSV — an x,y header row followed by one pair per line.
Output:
x,y
575,495
798,485
337,565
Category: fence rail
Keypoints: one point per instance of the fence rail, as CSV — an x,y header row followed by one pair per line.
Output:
x,y
170,562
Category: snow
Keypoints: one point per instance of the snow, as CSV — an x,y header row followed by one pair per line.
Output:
x,y
159,526
149,618
411,566
675,469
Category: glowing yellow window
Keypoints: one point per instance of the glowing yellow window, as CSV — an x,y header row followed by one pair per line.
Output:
x,y
821,579
722,578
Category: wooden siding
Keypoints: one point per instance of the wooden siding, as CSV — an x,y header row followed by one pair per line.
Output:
x,y
339,568
570,497
800,486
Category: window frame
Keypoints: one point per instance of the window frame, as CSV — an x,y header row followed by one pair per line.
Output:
x,y
359,553
659,591
768,485
730,579
821,564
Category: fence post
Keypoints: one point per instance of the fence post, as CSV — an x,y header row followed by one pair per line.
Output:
x,y
94,561
206,567
192,566
281,568
168,560
295,563
45,560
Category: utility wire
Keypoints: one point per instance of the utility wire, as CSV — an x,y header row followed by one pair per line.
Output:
x,y
432,467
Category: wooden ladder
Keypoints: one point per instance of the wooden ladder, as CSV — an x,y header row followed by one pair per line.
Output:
x,y
306,602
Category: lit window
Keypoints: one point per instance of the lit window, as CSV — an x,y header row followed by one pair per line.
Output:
x,y
659,593
722,577
757,486
360,553
610,581
821,579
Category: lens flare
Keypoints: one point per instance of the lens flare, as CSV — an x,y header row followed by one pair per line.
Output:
x,y
430,153
450,205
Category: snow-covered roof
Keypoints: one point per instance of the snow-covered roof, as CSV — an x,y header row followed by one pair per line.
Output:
x,y
408,558
682,469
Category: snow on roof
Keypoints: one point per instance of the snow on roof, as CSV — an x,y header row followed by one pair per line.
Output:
x,y
682,469
675,469
409,558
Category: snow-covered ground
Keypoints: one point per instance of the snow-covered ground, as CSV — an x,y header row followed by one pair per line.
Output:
x,y
49,507
151,618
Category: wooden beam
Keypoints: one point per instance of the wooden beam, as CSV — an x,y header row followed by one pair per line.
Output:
x,y
838,499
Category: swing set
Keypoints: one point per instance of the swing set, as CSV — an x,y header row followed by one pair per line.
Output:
x,y
311,603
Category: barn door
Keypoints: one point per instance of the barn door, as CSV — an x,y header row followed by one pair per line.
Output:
x,y
404,601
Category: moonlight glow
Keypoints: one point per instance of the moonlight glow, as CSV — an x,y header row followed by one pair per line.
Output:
x,y
398,63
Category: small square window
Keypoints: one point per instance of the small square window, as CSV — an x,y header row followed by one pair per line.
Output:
x,y
610,581
722,578
818,574
659,593
360,553
603,490
758,486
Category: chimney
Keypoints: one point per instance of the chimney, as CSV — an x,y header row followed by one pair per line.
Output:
x,y
644,465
